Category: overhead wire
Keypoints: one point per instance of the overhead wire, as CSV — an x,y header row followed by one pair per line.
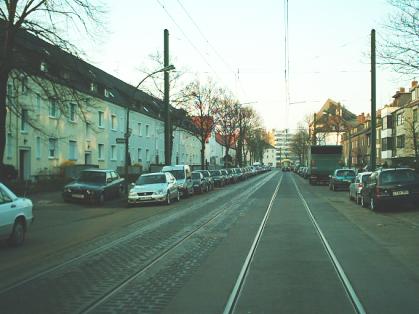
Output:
x,y
236,74
189,40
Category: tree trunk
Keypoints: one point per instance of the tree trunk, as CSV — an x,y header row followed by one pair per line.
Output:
x,y
203,154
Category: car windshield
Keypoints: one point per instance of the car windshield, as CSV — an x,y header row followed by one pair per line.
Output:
x,y
215,172
196,175
398,176
178,174
153,179
205,174
345,173
92,177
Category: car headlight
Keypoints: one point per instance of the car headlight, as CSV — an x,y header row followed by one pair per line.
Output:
x,y
132,192
88,192
161,191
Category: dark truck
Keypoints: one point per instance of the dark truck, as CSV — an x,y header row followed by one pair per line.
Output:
x,y
323,160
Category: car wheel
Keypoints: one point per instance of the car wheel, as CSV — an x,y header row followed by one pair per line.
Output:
x,y
363,202
168,198
373,204
357,199
178,196
18,235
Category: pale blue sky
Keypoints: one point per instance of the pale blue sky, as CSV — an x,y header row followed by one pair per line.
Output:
x,y
328,44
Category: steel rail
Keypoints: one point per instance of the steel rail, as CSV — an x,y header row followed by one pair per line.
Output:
x,y
89,253
355,301
95,304
235,293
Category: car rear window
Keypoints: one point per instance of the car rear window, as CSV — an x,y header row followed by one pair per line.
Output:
x,y
365,178
345,173
196,175
154,179
398,176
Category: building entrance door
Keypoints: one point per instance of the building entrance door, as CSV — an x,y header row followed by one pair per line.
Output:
x,y
24,164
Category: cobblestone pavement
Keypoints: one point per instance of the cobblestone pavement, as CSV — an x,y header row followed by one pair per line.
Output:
x,y
114,258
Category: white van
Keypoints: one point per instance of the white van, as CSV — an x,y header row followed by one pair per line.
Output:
x,y
183,175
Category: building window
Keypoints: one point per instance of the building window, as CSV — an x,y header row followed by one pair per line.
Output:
x,y
139,155
93,87
24,121
72,112
100,118
100,149
52,150
113,152
72,150
387,143
400,118
38,148
44,67
53,108
113,122
400,141
38,103
139,129
9,146
147,130
147,155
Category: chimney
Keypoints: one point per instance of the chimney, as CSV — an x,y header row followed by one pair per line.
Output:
x,y
402,90
360,118
414,84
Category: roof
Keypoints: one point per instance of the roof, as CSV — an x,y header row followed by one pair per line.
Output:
x,y
70,70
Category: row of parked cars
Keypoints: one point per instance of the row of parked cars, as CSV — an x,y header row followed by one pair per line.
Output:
x,y
378,189
174,182
171,183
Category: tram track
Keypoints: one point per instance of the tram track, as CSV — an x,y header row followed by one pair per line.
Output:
x,y
240,283
163,251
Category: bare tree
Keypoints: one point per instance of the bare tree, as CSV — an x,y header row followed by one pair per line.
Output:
x,y
400,46
300,143
227,122
201,101
22,21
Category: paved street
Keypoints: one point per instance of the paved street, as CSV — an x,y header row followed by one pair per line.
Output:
x,y
317,252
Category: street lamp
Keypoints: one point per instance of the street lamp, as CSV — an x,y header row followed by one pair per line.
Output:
x,y
128,130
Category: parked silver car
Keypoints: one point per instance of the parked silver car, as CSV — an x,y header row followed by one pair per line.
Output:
x,y
154,187
356,187
15,216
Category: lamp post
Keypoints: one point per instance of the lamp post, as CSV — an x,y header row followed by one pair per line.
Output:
x,y
128,130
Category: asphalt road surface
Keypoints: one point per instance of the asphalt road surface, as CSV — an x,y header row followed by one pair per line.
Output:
x,y
270,244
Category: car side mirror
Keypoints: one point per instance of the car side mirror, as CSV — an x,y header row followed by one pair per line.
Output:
x,y
108,180
132,184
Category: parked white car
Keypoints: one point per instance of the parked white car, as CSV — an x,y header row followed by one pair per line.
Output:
x,y
15,216
154,187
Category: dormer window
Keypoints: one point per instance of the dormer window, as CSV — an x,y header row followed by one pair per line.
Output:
x,y
108,93
44,67
93,87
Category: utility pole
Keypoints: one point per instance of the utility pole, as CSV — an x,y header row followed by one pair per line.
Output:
x,y
167,128
373,104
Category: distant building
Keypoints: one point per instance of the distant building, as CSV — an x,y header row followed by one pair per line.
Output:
x,y
283,139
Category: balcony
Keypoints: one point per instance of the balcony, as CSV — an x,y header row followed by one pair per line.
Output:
x,y
386,133
386,154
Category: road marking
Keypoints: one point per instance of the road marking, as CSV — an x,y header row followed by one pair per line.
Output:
x,y
359,308
235,293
